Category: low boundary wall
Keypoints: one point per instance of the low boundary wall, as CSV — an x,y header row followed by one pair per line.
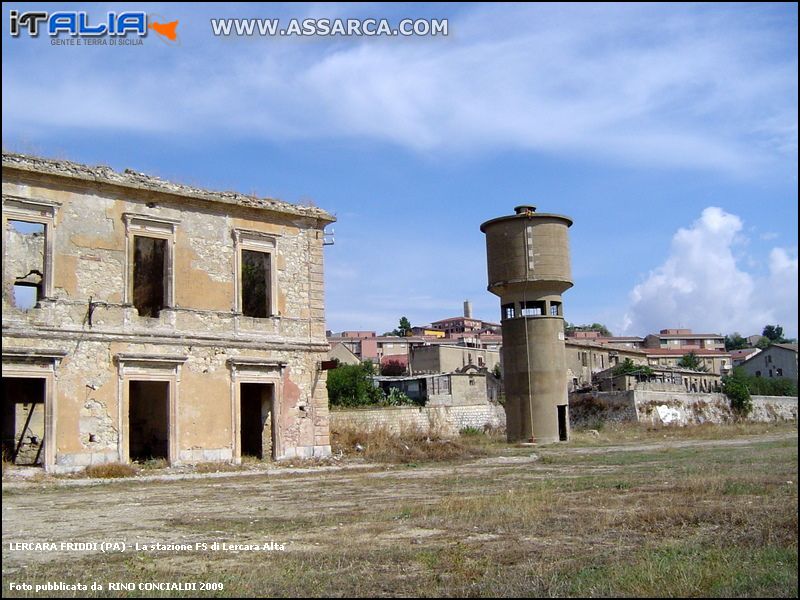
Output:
x,y
679,408
447,420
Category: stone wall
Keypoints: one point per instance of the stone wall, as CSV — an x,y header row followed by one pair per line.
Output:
x,y
590,409
585,410
774,408
679,408
682,408
446,420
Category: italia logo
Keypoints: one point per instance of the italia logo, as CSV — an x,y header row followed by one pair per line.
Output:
x,y
78,24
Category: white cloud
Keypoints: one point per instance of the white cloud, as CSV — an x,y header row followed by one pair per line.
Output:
x,y
701,285
680,87
780,293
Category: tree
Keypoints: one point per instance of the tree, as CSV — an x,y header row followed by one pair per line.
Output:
x,y
763,342
628,367
693,362
403,329
774,333
735,341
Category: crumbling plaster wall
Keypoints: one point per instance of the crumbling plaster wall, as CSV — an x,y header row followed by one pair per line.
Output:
x,y
91,257
464,393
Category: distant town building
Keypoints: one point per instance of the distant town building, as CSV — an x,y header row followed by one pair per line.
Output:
x,y
775,361
739,356
685,340
662,379
343,354
586,358
716,361
427,331
445,389
465,324
451,344
376,347
447,358
357,334
455,325
596,336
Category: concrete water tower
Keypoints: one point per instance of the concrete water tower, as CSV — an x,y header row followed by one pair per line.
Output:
x,y
529,268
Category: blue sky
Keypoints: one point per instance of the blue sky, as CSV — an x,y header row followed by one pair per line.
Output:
x,y
667,132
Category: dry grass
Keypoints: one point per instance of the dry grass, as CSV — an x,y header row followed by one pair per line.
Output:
x,y
410,445
308,463
108,471
215,467
637,432
12,472
693,519
154,464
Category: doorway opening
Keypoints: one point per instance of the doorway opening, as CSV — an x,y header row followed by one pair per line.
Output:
x,y
562,423
257,423
148,420
23,420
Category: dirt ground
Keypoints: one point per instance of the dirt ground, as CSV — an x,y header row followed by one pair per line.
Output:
x,y
302,508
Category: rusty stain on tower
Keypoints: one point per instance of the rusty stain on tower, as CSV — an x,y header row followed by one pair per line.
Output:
x,y
529,269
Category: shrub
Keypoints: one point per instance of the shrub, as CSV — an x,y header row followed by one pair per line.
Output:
x,y
628,367
396,398
764,386
497,372
760,386
692,361
351,385
155,463
734,386
410,445
470,431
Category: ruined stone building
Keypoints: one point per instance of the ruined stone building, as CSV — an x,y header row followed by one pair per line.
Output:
x,y
585,358
144,319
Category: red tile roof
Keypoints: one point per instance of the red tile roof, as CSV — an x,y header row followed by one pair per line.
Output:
x,y
743,352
